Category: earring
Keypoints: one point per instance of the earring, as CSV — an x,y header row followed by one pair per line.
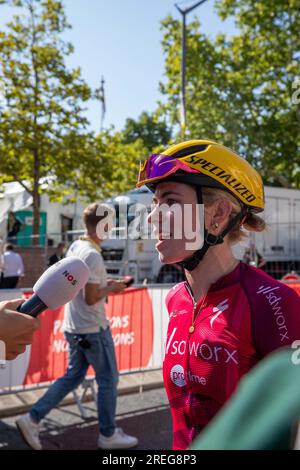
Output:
x,y
216,225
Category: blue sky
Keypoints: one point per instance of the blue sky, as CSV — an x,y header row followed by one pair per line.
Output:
x,y
120,39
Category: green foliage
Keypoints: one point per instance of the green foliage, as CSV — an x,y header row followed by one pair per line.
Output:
x,y
152,131
239,89
43,130
44,139
105,166
121,161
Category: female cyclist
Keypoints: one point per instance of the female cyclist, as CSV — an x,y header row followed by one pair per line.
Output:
x,y
227,315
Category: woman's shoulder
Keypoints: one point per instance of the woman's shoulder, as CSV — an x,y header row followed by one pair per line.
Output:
x,y
175,293
274,310
256,281
264,293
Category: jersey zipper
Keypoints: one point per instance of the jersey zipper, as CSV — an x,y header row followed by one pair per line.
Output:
x,y
194,302
192,297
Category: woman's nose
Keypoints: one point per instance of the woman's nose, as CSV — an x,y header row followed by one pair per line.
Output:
x,y
153,218
150,216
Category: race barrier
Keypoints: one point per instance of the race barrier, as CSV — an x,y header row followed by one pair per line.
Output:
x,y
138,319
138,329
295,285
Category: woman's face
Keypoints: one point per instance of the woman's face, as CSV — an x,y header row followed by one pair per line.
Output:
x,y
174,221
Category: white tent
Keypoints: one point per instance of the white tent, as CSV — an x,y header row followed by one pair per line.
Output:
x,y
15,198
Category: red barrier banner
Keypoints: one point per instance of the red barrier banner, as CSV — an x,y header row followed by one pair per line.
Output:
x,y
138,337
131,320
295,286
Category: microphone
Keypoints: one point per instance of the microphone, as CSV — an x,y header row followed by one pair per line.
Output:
x,y
57,286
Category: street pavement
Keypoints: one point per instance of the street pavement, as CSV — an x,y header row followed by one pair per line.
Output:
x,y
145,415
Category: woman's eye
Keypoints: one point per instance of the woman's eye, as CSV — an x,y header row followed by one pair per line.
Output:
x,y
171,202
168,202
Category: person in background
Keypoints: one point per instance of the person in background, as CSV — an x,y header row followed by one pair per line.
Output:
x,y
1,259
13,268
253,257
14,226
58,255
16,329
87,331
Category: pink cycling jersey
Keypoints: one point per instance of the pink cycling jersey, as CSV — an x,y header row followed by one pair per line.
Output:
x,y
246,315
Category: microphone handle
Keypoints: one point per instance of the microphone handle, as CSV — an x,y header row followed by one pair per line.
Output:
x,y
33,306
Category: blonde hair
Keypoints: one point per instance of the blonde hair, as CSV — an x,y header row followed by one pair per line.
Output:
x,y
95,213
252,222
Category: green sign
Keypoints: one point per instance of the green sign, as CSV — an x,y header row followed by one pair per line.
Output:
x,y
24,236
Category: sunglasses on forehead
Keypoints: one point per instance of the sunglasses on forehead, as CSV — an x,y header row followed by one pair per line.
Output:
x,y
159,166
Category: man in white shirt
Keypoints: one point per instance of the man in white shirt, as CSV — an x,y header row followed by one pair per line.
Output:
x,y
12,266
90,343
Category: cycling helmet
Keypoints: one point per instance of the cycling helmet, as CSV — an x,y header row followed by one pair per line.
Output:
x,y
205,163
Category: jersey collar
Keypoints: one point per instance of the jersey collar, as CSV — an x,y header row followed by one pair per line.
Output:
x,y
227,280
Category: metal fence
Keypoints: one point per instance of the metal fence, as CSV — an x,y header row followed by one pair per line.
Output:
x,y
12,375
118,263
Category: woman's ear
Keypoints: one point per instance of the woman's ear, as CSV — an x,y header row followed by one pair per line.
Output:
x,y
220,214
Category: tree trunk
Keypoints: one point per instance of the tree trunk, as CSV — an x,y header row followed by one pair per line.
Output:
x,y
36,218
36,148
36,199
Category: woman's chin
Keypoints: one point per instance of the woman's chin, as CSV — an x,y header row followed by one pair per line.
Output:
x,y
167,258
168,252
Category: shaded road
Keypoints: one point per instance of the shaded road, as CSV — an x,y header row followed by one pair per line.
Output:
x,y
145,415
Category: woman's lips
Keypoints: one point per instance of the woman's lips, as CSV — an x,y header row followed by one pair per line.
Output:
x,y
160,243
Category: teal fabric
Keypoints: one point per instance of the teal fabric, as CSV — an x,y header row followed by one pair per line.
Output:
x,y
263,412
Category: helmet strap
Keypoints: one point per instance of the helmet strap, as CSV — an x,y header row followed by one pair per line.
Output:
x,y
192,262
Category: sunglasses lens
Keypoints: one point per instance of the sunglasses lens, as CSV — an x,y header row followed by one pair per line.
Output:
x,y
157,166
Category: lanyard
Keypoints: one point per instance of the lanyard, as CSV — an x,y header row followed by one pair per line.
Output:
x,y
88,239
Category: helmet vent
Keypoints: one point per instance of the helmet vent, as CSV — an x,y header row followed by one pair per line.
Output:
x,y
189,150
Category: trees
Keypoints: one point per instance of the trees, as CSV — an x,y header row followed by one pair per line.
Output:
x,y
239,89
43,131
152,131
45,143
123,160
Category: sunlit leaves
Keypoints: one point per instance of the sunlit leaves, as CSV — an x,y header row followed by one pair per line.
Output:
x,y
239,89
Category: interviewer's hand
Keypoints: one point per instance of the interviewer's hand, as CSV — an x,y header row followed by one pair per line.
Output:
x,y
16,329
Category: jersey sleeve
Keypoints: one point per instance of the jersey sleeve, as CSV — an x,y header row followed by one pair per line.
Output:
x,y
170,298
275,318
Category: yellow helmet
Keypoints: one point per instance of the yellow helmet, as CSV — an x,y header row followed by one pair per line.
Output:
x,y
206,163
